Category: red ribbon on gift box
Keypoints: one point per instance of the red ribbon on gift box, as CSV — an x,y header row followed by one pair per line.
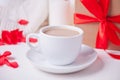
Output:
x,y
107,30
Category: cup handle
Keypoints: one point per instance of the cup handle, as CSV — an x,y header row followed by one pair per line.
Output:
x,y
33,45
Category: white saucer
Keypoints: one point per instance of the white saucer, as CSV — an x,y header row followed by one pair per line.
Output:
x,y
87,56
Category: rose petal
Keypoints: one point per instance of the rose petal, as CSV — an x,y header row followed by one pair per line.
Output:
x,y
6,37
33,40
5,60
1,42
20,36
1,61
14,36
6,53
11,64
115,56
23,22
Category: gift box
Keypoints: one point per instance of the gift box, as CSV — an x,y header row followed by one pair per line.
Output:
x,y
100,32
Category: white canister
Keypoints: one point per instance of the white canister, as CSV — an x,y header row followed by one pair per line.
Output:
x,y
61,12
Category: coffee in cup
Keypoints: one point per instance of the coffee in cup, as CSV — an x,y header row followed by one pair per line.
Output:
x,y
61,32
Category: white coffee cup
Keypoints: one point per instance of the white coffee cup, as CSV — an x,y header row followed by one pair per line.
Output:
x,y
58,50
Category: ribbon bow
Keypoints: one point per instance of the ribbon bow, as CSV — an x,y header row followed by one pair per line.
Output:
x,y
4,60
107,30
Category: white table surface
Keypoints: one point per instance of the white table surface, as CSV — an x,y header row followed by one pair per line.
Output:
x,y
104,68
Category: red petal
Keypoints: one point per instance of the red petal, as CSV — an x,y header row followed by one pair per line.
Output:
x,y
115,56
6,53
33,40
4,60
6,37
20,36
11,64
17,36
23,39
14,36
1,42
14,64
1,61
23,22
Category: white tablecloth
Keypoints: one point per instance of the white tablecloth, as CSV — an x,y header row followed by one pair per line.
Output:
x,y
104,68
